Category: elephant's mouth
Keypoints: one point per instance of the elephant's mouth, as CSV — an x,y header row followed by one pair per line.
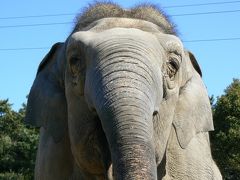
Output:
x,y
103,150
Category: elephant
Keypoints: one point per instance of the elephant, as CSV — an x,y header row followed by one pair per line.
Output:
x,y
122,99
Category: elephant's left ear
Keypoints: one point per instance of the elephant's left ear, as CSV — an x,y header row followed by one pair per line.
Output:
x,y
193,110
46,106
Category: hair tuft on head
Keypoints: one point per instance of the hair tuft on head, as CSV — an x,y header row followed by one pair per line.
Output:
x,y
147,12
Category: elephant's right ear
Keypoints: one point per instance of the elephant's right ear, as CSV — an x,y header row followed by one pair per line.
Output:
x,y
194,63
46,104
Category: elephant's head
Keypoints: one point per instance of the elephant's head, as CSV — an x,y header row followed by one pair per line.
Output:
x,y
128,70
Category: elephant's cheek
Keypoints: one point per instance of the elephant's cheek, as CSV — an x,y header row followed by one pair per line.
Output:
x,y
162,123
88,142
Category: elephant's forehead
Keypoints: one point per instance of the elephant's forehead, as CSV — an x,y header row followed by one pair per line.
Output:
x,y
139,27
109,23
116,36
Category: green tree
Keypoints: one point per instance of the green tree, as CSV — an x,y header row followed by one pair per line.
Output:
x,y
18,144
226,137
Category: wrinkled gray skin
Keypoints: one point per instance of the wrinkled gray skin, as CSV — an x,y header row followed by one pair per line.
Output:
x,y
121,100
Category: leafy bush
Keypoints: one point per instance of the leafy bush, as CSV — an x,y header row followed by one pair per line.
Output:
x,y
18,144
226,137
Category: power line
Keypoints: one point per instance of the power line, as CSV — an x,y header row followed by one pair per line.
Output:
x,y
205,13
70,14
208,40
60,23
185,41
29,25
201,4
24,48
38,16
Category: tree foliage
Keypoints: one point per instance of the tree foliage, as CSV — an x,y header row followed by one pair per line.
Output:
x,y
226,137
18,144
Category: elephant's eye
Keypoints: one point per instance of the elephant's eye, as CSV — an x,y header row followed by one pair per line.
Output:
x,y
172,67
76,65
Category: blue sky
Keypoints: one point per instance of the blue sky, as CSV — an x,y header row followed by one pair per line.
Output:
x,y
219,60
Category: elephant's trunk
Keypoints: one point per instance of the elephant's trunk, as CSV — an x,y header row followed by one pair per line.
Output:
x,y
124,99
127,122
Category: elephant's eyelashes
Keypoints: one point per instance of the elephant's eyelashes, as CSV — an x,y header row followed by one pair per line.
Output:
x,y
172,67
